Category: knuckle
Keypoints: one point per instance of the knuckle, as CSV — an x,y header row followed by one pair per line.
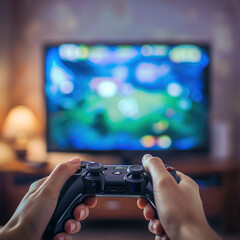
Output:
x,y
61,167
154,162
196,186
32,186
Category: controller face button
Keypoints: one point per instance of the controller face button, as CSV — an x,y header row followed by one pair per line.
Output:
x,y
119,168
117,173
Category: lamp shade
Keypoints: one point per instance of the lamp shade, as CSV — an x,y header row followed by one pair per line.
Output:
x,y
19,121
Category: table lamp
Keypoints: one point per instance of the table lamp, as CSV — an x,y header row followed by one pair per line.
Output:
x,y
19,127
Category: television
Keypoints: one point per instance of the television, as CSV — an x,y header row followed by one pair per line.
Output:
x,y
127,97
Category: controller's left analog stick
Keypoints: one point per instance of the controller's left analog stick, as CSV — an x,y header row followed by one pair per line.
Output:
x,y
94,168
94,178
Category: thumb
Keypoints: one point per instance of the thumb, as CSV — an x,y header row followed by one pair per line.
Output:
x,y
155,167
60,175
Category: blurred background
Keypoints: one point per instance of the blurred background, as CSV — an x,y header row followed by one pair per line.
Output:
x,y
26,26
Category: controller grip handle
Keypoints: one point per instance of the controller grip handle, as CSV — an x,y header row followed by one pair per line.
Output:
x,y
68,200
56,226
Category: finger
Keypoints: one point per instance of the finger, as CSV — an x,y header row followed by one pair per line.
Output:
x,y
148,212
154,166
81,212
164,237
155,227
59,176
61,236
72,226
91,202
186,180
142,202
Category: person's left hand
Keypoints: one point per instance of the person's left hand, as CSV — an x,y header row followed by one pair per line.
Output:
x,y
35,210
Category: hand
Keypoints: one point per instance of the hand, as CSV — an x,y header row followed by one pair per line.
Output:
x,y
35,210
179,206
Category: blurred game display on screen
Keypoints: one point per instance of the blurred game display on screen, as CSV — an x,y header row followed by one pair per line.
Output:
x,y
102,97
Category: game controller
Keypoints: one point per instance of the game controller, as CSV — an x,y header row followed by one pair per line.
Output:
x,y
93,178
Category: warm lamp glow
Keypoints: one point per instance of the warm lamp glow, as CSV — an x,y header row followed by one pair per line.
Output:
x,y
20,121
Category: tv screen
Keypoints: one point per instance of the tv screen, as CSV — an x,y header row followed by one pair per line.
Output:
x,y
127,97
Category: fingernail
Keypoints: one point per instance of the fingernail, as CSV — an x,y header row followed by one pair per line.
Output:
x,y
61,238
74,160
154,227
146,156
82,213
72,227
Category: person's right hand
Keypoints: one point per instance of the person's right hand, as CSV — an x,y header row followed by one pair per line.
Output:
x,y
179,206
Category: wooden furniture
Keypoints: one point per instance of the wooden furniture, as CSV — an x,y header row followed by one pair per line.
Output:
x,y
219,189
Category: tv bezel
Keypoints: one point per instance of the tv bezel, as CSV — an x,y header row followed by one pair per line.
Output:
x,y
128,153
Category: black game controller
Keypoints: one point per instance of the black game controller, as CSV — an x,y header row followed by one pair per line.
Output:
x,y
93,178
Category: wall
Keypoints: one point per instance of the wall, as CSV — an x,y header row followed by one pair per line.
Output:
x,y
39,22
4,58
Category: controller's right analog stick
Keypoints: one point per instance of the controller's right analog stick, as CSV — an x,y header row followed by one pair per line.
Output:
x,y
135,171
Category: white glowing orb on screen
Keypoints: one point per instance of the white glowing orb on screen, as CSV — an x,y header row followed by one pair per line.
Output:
x,y
174,89
66,87
129,107
146,50
58,75
70,52
164,142
185,104
107,89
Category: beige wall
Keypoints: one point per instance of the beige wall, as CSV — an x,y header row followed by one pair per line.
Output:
x,y
39,22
